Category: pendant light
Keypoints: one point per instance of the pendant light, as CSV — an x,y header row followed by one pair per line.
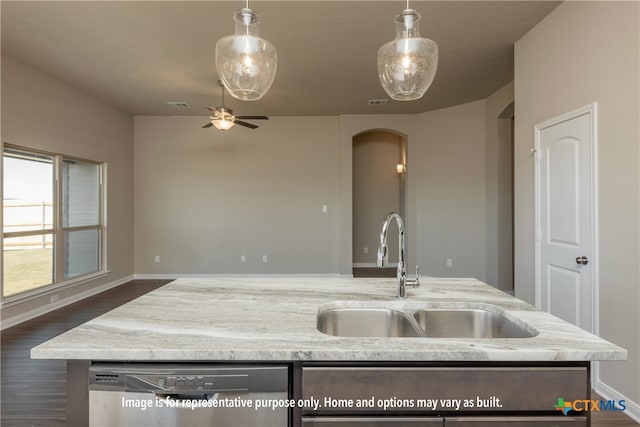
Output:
x,y
407,65
245,62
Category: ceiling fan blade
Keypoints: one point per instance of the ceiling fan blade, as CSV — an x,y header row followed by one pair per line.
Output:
x,y
253,117
208,125
245,124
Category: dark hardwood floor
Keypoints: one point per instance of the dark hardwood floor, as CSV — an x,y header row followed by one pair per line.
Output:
x,y
33,391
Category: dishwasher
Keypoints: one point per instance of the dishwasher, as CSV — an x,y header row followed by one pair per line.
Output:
x,y
188,395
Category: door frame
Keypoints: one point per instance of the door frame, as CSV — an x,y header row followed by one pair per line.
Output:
x,y
592,111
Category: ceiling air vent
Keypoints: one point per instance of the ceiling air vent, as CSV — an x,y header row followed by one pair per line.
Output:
x,y
178,104
377,102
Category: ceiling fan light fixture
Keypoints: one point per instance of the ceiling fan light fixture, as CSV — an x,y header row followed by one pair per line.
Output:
x,y
408,64
223,124
246,63
224,119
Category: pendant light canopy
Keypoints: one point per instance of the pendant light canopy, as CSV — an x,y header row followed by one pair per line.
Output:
x,y
407,65
245,62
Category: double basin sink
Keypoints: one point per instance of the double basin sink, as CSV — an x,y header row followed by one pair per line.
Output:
x,y
485,321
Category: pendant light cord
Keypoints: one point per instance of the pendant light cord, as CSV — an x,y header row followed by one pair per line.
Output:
x,y
246,5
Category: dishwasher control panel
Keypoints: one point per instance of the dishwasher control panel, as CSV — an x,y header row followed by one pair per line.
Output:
x,y
182,383
177,378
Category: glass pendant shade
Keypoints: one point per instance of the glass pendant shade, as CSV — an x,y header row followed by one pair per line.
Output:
x,y
245,62
407,65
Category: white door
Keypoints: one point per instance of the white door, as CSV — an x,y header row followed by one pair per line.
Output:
x,y
565,208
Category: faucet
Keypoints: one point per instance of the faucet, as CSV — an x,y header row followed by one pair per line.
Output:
x,y
383,256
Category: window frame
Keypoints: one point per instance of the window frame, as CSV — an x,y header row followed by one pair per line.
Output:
x,y
58,230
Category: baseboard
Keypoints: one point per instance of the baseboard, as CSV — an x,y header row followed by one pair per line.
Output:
x,y
372,264
155,276
145,276
47,308
632,408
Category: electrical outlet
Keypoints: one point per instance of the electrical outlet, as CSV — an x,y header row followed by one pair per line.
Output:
x,y
264,258
243,258
449,262
55,298
325,208
365,250
157,259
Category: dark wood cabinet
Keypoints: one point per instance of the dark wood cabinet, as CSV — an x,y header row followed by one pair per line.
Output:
x,y
516,422
451,395
373,422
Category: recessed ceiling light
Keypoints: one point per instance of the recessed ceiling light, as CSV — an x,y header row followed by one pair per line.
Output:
x,y
178,104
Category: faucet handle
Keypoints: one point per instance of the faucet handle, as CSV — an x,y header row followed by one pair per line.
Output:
x,y
415,282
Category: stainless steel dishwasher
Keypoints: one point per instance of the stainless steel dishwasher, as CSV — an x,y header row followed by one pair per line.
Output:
x,y
188,395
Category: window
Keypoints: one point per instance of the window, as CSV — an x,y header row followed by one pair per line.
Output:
x,y
52,219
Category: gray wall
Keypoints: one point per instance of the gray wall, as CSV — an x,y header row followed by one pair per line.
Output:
x,y
498,180
586,52
43,113
204,198
451,194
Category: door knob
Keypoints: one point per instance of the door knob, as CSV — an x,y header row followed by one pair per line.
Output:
x,y
582,260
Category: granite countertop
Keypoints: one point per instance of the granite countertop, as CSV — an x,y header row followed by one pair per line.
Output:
x,y
274,319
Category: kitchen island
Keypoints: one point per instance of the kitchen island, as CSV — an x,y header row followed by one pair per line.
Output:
x,y
273,320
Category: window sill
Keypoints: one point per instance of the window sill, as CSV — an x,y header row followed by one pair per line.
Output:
x,y
40,292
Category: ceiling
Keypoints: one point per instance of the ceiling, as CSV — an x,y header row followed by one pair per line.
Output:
x,y
139,55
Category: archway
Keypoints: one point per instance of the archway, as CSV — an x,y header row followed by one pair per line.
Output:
x,y
379,187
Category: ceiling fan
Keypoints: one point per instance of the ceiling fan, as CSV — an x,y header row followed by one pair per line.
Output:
x,y
223,119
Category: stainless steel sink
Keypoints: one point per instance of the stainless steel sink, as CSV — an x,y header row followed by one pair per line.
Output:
x,y
366,322
439,322
469,323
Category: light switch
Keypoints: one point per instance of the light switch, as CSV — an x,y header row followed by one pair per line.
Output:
x,y
325,208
